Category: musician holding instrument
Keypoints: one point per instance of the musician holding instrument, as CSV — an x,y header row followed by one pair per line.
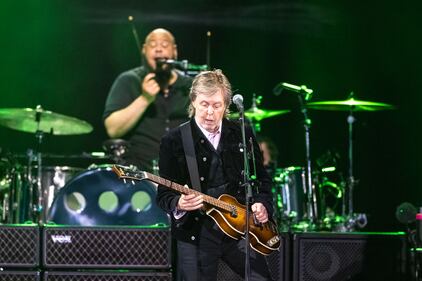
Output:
x,y
201,242
147,101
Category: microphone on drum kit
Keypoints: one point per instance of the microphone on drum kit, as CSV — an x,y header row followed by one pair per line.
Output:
x,y
303,90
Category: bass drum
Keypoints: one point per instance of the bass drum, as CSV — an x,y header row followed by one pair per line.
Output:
x,y
98,197
53,178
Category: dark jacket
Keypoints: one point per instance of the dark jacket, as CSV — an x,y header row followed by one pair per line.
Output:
x,y
173,166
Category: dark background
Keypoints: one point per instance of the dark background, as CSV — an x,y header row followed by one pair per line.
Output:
x,y
65,55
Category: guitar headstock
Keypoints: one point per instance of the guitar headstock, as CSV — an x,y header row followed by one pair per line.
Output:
x,y
132,173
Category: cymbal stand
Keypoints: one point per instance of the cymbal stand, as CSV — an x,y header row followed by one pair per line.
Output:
x,y
311,193
39,135
351,180
255,123
352,220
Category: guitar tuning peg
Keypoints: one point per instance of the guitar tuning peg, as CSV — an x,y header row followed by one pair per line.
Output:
x,y
133,182
124,180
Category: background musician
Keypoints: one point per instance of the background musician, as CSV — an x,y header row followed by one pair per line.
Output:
x,y
269,153
145,102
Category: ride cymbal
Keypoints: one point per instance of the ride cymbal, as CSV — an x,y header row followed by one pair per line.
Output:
x,y
350,105
35,120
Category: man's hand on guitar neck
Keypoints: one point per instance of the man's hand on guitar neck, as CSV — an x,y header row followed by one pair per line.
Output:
x,y
190,202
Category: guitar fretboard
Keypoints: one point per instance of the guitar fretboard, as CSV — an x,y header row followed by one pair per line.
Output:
x,y
128,173
186,190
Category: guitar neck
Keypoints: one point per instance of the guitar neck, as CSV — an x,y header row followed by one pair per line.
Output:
x,y
186,190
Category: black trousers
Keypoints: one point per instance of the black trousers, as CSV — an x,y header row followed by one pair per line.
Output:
x,y
200,262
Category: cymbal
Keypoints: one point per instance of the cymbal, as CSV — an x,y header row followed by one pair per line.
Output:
x,y
25,120
258,114
350,105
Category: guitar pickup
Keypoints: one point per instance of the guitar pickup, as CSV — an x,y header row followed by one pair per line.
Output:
x,y
233,211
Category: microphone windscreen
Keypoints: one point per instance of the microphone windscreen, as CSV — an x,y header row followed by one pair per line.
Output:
x,y
406,213
238,99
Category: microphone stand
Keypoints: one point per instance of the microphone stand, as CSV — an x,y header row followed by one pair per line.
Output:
x,y
311,194
248,192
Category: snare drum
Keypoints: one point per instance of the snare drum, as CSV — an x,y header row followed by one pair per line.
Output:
x,y
291,187
14,195
99,197
23,202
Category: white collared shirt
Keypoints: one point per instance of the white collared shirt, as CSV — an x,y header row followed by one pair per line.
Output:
x,y
213,138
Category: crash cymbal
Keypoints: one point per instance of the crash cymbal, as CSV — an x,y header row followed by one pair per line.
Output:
x,y
349,105
258,114
32,120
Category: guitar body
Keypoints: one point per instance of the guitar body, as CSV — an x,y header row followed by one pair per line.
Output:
x,y
263,238
226,211
231,225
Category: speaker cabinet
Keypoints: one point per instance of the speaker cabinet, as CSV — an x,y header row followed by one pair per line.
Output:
x,y
349,256
19,246
279,261
225,273
19,275
107,247
106,276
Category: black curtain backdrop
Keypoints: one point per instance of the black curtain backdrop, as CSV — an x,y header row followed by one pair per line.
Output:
x,y
64,55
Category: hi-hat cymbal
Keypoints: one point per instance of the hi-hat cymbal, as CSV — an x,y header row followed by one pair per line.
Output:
x,y
350,105
258,114
32,120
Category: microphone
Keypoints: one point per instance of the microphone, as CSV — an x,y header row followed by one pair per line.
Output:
x,y
297,89
406,213
238,101
182,64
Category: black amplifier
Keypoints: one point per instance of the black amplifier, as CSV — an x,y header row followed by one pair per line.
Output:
x,y
349,256
19,275
107,247
19,246
107,276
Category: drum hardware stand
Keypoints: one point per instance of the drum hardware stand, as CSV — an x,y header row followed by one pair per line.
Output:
x,y
352,219
304,95
37,208
117,148
255,123
351,180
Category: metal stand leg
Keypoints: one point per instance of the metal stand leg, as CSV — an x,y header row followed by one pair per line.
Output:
x,y
351,180
311,193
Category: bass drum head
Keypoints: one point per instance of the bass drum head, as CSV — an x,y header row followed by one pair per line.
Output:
x,y
98,197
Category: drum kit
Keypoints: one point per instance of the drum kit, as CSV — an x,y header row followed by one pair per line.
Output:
x,y
303,199
306,200
27,186
33,192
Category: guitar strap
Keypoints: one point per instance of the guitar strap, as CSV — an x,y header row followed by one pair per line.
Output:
x,y
190,155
